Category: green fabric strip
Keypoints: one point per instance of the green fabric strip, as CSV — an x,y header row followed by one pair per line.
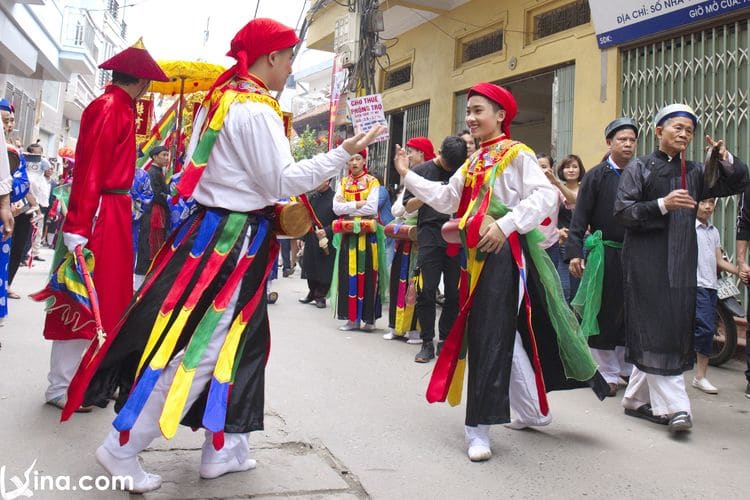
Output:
x,y
333,291
383,278
204,147
588,299
573,346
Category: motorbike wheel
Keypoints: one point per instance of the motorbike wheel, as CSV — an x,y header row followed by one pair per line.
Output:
x,y
725,337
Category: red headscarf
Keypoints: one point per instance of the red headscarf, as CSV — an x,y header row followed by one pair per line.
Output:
x,y
501,96
422,144
257,38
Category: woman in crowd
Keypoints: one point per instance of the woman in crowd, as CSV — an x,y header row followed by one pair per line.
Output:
x,y
569,174
360,249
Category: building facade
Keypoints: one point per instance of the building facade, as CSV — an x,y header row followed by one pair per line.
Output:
x,y
49,53
546,53
543,51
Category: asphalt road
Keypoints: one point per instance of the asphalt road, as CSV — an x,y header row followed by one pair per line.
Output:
x,y
346,417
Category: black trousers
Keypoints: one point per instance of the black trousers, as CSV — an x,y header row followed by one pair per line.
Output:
x,y
18,247
318,289
433,262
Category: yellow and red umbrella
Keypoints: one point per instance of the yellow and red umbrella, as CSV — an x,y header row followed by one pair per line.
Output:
x,y
185,77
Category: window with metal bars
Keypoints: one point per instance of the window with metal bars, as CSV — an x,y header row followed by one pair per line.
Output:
x,y
560,19
103,77
481,46
396,77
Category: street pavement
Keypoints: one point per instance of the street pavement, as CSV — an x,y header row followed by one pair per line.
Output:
x,y
346,418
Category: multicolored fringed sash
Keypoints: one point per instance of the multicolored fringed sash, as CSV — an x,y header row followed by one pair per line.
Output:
x,y
161,343
217,106
408,284
94,355
358,189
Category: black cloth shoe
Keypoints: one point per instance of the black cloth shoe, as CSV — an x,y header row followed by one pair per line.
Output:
x,y
307,299
426,353
320,303
39,259
747,391
645,412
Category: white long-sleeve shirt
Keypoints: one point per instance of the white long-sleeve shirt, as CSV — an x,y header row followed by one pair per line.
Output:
x,y
399,210
522,187
251,164
369,209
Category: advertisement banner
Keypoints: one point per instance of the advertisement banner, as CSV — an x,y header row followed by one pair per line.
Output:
x,y
366,112
623,21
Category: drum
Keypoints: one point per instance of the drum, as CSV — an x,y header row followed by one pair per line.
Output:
x,y
354,226
451,233
401,231
291,220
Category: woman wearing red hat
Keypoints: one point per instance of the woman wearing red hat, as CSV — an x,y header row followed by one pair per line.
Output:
x,y
514,356
361,272
192,346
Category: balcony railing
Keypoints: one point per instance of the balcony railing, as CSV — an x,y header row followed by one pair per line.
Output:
x,y
79,33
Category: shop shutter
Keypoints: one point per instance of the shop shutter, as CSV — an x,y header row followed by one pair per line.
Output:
x,y
707,70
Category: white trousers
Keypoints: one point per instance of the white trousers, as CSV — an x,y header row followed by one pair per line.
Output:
x,y
665,393
612,364
524,399
63,363
146,428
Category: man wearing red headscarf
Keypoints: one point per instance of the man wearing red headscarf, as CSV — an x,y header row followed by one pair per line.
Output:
x,y
98,215
514,356
192,346
419,150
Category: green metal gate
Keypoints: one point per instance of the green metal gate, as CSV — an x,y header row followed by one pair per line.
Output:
x,y
708,70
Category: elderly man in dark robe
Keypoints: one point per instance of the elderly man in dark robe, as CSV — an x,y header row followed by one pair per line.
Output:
x,y
656,202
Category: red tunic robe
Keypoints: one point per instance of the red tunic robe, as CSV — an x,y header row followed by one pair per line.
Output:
x,y
102,176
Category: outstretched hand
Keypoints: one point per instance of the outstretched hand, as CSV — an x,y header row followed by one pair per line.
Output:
x,y
711,144
357,143
401,161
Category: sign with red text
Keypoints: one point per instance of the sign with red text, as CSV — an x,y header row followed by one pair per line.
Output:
x,y
366,112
